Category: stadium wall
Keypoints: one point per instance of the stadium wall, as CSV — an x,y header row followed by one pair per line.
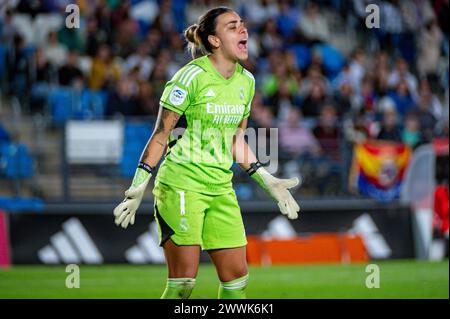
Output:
x,y
84,233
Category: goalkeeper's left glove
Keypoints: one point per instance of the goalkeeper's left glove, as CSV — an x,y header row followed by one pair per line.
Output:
x,y
277,188
125,212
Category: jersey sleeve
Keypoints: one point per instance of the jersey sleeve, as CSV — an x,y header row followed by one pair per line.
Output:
x,y
250,95
179,91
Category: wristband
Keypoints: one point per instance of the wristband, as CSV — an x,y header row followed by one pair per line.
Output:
x,y
254,167
146,167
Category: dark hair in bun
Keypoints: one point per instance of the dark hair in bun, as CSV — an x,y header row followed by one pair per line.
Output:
x,y
197,34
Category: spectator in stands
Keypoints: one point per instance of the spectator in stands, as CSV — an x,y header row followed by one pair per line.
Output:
x,y
381,72
287,18
125,40
365,100
313,26
441,8
282,101
390,130
261,115
327,131
411,134
148,100
256,12
7,30
271,82
54,51
104,71
416,13
426,118
313,100
344,99
123,100
401,72
313,76
154,40
70,71
94,37
429,45
176,44
106,23
402,98
271,39
18,64
140,59
435,105
357,68
70,38
42,75
165,20
317,62
160,73
392,25
296,140
30,7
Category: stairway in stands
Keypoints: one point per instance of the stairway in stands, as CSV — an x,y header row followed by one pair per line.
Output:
x,y
45,145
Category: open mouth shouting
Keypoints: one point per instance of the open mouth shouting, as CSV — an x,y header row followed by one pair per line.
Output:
x,y
242,45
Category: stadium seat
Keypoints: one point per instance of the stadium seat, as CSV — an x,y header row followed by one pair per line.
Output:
x,y
4,135
302,53
332,59
24,25
136,137
15,161
92,105
44,23
21,204
60,103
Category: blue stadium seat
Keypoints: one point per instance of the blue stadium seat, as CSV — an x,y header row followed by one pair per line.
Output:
x,y
136,137
92,105
15,161
4,135
20,204
332,59
60,103
302,53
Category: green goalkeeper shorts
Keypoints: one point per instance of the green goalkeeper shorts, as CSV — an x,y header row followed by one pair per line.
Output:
x,y
191,218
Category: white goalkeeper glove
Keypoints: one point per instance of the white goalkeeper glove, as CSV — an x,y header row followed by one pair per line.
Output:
x,y
277,188
125,212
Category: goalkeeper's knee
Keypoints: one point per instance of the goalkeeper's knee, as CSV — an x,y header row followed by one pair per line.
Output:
x,y
234,289
178,288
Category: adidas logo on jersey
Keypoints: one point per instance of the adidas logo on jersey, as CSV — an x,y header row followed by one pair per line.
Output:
x,y
210,93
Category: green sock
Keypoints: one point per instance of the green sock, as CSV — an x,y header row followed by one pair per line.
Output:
x,y
234,289
178,288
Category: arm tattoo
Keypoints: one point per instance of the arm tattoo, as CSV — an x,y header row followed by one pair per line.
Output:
x,y
162,118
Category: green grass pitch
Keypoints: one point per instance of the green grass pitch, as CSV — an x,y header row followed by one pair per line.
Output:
x,y
398,279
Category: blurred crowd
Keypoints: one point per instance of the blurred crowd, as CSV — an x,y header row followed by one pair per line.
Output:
x,y
391,85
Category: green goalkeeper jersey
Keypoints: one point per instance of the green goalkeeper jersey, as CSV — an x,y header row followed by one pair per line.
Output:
x,y
199,155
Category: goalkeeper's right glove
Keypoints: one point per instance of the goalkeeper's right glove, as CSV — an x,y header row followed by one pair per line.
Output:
x,y
125,212
277,188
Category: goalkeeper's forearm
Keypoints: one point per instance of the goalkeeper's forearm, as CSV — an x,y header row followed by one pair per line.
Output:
x,y
156,146
242,153
244,156
157,143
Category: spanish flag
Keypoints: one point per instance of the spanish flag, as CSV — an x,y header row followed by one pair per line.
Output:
x,y
378,168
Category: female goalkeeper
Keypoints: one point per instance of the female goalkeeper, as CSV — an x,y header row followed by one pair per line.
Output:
x,y
195,204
